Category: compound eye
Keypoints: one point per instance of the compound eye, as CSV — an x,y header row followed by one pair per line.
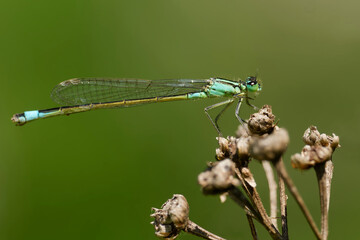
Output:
x,y
251,84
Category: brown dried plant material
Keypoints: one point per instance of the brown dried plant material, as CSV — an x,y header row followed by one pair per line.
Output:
x,y
261,139
318,149
317,153
269,146
223,151
262,122
248,176
219,178
171,218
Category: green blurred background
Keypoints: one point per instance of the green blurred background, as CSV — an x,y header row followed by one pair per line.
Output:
x,y
96,175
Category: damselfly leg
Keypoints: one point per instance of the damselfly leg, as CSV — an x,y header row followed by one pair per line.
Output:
x,y
215,123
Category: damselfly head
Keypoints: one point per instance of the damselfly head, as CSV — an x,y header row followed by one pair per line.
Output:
x,y
253,84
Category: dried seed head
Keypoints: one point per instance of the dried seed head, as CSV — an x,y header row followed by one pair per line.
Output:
x,y
223,151
223,144
311,136
269,146
166,231
323,139
220,155
218,178
300,161
262,122
319,149
172,217
334,141
227,148
179,210
310,156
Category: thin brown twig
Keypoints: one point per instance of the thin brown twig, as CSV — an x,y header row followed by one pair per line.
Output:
x,y
272,190
257,203
324,172
252,227
283,209
280,167
238,197
196,230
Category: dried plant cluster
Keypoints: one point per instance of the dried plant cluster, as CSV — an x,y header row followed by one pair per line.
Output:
x,y
231,177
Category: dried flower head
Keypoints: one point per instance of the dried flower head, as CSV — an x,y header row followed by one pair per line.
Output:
x,y
262,122
269,146
319,149
223,151
218,178
171,218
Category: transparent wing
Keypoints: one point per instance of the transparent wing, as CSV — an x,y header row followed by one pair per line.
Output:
x,y
80,91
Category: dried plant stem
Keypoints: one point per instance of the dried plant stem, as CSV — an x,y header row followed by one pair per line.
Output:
x,y
196,230
283,209
238,197
257,203
252,227
324,172
280,168
272,190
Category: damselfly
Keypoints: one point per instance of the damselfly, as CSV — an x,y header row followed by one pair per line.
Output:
x,y
85,94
